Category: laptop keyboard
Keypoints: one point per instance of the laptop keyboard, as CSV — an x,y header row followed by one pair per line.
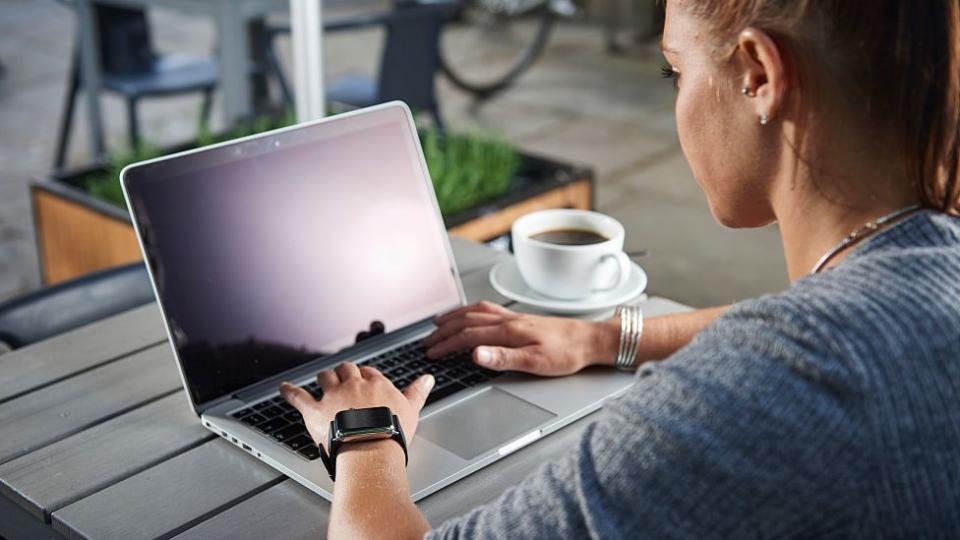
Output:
x,y
278,419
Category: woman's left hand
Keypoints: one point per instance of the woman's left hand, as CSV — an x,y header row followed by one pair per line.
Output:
x,y
352,387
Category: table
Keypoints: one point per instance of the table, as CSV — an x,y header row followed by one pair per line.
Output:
x,y
234,52
97,441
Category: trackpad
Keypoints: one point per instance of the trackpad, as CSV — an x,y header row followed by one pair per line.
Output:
x,y
481,423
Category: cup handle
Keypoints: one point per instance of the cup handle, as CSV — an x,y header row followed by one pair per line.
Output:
x,y
623,270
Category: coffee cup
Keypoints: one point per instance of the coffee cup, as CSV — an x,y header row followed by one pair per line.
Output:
x,y
570,254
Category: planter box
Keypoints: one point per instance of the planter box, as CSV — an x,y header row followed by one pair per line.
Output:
x,y
77,234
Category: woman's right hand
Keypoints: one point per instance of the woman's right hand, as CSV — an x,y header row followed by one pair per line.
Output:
x,y
505,340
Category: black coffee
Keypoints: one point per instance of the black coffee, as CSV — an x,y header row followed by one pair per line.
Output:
x,y
570,237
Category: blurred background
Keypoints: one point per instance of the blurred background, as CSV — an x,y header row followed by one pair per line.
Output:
x,y
586,120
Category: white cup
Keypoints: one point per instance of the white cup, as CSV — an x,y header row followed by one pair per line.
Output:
x,y
570,272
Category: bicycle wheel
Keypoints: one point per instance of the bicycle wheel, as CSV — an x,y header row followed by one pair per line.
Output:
x,y
492,42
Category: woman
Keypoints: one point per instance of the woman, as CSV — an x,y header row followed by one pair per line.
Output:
x,y
828,409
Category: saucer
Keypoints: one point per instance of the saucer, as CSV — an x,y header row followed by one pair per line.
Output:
x,y
506,280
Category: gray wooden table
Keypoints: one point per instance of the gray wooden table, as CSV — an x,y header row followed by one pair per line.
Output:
x,y
97,441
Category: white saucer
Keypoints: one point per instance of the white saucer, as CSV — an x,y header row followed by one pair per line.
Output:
x,y
506,279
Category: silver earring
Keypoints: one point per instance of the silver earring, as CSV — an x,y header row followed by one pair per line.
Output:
x,y
764,119
746,91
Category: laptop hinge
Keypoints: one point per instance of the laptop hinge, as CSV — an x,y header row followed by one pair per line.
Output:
x,y
373,345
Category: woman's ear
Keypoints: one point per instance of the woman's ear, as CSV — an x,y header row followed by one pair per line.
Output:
x,y
764,72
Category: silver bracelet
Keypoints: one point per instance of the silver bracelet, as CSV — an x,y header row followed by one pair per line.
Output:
x,y
631,329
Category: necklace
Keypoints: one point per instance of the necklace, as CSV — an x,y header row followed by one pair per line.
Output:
x,y
862,232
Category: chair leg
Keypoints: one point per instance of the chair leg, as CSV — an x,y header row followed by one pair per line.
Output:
x,y
133,125
437,119
273,66
205,109
66,120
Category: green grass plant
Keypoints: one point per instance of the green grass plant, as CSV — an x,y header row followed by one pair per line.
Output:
x,y
469,169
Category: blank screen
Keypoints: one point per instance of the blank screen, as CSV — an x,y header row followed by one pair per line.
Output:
x,y
284,249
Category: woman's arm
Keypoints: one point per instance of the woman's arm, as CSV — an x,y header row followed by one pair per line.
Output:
x,y
506,340
371,497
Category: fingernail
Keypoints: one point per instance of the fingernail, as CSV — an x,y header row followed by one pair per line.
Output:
x,y
484,356
428,382
284,388
430,353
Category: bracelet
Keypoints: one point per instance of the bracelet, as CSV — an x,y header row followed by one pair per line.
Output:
x,y
631,328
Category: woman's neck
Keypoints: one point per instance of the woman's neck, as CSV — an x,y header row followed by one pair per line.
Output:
x,y
815,215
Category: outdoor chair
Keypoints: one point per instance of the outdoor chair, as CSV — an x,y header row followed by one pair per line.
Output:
x,y
131,68
408,65
57,309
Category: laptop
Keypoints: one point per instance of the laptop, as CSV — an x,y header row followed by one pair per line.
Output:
x,y
278,255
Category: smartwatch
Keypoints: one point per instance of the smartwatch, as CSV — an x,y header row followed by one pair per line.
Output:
x,y
359,425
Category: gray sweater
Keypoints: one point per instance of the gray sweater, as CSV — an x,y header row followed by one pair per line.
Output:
x,y
830,409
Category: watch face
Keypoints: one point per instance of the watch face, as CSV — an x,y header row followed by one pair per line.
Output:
x,y
364,424
367,436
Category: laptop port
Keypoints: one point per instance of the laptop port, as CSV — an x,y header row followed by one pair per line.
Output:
x,y
247,448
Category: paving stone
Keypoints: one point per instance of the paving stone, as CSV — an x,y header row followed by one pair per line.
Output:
x,y
695,260
607,147
665,176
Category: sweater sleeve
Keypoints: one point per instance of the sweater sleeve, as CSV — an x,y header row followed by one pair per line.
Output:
x,y
755,429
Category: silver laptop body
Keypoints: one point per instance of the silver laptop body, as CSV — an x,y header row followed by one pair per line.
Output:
x,y
237,250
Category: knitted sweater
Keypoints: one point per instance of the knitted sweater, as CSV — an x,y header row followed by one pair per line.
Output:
x,y
830,409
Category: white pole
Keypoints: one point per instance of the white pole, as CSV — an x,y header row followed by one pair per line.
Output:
x,y
306,34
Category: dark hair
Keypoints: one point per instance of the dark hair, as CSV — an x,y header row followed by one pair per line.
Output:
x,y
898,59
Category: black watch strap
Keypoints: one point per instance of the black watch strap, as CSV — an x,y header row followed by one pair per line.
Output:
x,y
359,419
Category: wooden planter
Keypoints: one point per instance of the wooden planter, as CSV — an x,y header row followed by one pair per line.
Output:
x,y
77,234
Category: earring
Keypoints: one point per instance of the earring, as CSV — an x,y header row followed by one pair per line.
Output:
x,y
764,119
746,91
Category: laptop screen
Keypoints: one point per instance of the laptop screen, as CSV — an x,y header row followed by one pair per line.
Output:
x,y
271,252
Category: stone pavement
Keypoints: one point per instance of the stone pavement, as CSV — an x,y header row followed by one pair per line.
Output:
x,y
577,103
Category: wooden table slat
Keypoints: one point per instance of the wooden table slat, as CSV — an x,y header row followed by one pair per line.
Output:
x,y
477,287
286,510
166,499
67,407
472,256
76,466
43,363
301,512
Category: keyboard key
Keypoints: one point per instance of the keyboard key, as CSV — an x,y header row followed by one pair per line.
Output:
x,y
310,452
272,411
398,371
297,443
290,432
441,379
252,419
261,405
272,425
293,416
474,379
440,393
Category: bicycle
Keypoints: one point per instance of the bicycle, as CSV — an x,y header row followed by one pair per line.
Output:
x,y
490,43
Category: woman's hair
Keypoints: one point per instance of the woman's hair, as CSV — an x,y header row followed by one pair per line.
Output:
x,y
898,61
